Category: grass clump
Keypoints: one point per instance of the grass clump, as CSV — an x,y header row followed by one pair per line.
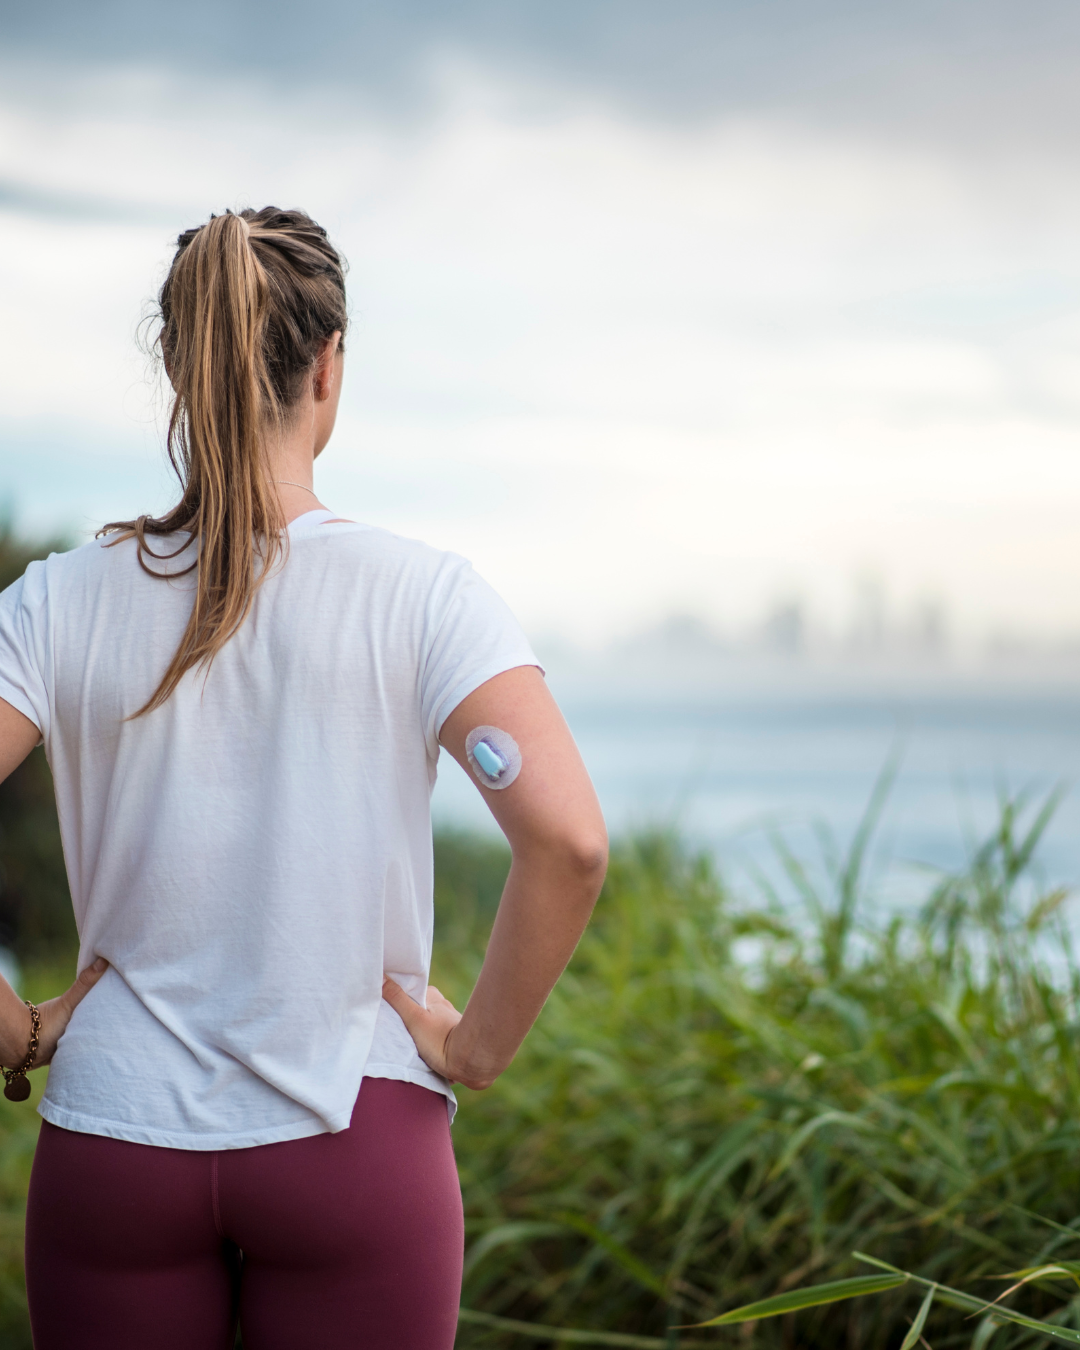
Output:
x,y
723,1100
687,1131
36,920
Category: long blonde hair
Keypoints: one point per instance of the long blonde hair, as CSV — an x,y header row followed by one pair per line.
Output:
x,y
247,306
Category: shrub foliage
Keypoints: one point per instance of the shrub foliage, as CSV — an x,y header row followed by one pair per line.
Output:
x,y
724,1098
690,1129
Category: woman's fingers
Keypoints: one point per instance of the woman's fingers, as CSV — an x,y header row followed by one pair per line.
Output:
x,y
56,1012
401,1003
429,1027
432,1029
86,980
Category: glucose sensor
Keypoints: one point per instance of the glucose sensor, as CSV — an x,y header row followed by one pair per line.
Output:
x,y
493,756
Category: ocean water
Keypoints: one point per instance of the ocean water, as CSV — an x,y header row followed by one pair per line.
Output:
x,y
729,767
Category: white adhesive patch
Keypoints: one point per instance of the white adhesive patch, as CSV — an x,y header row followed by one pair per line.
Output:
x,y
493,756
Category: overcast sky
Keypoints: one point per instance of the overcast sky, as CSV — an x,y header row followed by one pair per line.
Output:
x,y
680,308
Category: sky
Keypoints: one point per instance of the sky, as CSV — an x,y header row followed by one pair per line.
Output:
x,y
694,309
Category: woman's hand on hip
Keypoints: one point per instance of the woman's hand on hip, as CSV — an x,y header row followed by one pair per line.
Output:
x,y
432,1030
56,1012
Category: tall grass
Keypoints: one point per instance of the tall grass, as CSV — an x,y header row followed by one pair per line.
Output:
x,y
35,906
726,1096
687,1130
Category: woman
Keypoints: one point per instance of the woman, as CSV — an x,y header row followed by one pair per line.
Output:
x,y
243,704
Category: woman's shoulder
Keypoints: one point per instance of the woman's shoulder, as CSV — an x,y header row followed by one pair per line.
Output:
x,y
384,550
110,560
93,556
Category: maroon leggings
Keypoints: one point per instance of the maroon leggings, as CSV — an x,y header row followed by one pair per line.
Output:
x,y
341,1240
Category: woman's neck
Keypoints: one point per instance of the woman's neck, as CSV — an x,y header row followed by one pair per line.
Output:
x,y
296,499
292,469
296,446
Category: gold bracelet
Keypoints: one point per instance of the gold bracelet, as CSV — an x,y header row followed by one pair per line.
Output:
x,y
17,1086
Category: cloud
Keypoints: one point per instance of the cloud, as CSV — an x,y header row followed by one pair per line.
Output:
x,y
978,73
627,365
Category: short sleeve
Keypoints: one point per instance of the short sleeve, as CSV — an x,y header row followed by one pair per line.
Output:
x,y
23,646
472,637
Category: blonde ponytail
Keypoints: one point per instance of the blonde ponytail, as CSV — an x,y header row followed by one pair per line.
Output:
x,y
245,309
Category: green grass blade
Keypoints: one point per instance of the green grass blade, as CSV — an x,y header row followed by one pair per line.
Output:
x,y
811,1127
508,1234
1022,1277
953,1297
615,1249
987,1328
1047,1329
571,1335
912,1338
1065,1229
811,1297
1045,815
851,873
1071,1268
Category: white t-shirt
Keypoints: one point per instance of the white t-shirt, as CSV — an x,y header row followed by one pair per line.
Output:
x,y
252,856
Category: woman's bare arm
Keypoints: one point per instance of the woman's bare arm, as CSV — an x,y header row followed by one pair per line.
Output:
x,y
552,820
18,736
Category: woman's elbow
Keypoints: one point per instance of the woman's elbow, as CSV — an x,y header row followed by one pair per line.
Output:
x,y
585,855
574,852
591,856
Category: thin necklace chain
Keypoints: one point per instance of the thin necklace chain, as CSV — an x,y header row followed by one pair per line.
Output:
x,y
286,482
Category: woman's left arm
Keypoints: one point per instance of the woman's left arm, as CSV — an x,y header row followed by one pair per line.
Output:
x,y
558,844
18,736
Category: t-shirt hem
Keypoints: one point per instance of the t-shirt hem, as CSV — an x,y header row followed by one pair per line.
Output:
x,y
10,693
464,688
81,1123
420,1077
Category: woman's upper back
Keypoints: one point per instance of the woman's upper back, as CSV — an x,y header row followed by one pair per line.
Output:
x,y
260,843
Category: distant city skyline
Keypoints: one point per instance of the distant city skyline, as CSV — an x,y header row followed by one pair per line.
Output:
x,y
705,312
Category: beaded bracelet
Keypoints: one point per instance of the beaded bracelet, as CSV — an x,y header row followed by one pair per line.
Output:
x,y
17,1085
